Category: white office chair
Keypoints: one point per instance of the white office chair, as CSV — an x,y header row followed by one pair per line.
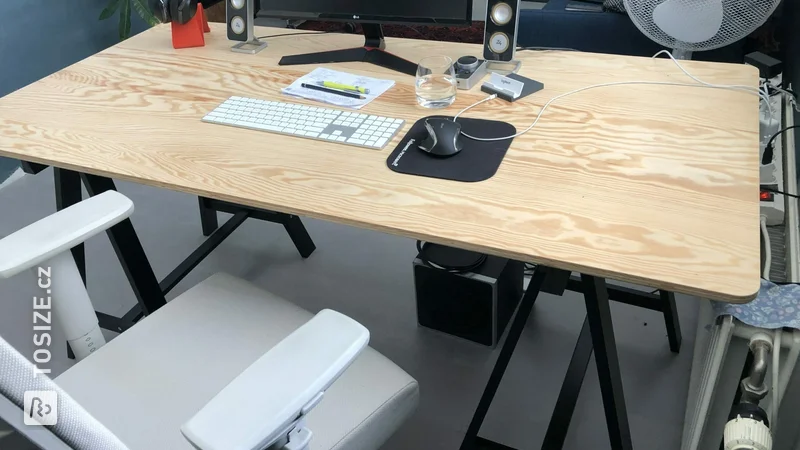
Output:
x,y
223,366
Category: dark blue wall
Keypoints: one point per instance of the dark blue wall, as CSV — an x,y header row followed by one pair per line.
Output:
x,y
39,37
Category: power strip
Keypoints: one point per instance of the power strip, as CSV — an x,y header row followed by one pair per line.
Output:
x,y
773,205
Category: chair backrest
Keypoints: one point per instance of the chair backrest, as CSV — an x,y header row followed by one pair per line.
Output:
x,y
75,428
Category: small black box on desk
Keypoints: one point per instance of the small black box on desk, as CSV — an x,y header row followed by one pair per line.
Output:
x,y
475,305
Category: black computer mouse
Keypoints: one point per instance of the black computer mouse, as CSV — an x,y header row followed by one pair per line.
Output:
x,y
444,138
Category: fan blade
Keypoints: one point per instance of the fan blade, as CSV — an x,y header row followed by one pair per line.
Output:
x,y
690,21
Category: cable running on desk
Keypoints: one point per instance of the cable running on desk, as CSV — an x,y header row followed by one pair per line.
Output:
x,y
763,95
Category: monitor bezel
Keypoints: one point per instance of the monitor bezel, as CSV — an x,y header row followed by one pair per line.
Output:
x,y
387,20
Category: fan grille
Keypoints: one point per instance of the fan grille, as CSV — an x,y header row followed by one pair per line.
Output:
x,y
740,18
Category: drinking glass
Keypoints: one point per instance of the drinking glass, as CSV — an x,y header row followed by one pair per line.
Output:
x,y
436,82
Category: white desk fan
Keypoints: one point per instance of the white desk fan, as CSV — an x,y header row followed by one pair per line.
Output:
x,y
689,26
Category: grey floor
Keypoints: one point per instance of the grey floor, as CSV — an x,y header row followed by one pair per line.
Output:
x,y
367,275
7,167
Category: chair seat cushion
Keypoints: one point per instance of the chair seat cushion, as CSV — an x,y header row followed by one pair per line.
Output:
x,y
148,381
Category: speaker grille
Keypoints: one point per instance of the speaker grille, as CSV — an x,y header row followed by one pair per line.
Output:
x,y
500,35
238,25
498,43
501,13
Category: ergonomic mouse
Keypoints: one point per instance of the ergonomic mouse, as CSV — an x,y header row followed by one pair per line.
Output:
x,y
444,137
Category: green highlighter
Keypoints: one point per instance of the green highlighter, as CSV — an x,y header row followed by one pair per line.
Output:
x,y
344,87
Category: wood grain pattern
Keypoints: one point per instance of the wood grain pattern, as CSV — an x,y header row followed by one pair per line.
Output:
x,y
649,184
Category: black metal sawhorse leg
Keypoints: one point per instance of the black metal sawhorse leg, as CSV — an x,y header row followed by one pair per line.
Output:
x,y
150,294
568,396
597,334
68,193
208,217
291,223
598,313
670,311
123,239
471,440
130,253
661,301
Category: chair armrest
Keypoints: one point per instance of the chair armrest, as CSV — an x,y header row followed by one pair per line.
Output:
x,y
61,231
262,404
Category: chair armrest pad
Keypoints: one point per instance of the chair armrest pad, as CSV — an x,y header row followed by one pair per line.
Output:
x,y
61,231
254,410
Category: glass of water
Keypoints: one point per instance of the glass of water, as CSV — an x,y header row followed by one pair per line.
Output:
x,y
436,82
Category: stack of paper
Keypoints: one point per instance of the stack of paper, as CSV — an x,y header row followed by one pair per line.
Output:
x,y
374,86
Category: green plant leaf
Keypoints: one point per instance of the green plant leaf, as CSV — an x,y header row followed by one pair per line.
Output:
x,y
109,10
124,19
144,12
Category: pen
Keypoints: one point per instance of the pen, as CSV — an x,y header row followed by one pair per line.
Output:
x,y
332,91
342,86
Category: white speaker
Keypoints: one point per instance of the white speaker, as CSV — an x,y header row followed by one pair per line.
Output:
x,y
240,15
500,35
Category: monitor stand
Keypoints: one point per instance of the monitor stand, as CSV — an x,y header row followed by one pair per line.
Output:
x,y
372,52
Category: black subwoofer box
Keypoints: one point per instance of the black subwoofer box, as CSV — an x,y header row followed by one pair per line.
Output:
x,y
475,305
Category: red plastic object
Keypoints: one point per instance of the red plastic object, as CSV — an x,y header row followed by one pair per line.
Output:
x,y
191,34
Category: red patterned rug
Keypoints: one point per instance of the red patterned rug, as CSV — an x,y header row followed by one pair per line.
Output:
x,y
472,34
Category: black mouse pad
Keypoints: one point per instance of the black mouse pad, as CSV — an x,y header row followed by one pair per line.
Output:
x,y
477,161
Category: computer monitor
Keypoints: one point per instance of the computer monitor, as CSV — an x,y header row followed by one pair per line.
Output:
x,y
371,14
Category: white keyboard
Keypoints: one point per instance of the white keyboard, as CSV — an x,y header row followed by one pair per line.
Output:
x,y
312,122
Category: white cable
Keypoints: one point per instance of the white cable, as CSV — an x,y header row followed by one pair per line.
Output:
x,y
737,87
776,395
769,104
792,98
491,97
779,89
767,249
749,89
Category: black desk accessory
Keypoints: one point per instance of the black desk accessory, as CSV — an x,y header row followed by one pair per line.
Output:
x,y
475,304
469,71
529,87
477,161
444,138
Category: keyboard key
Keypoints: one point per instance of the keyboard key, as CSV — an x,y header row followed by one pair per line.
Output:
x,y
260,127
304,121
